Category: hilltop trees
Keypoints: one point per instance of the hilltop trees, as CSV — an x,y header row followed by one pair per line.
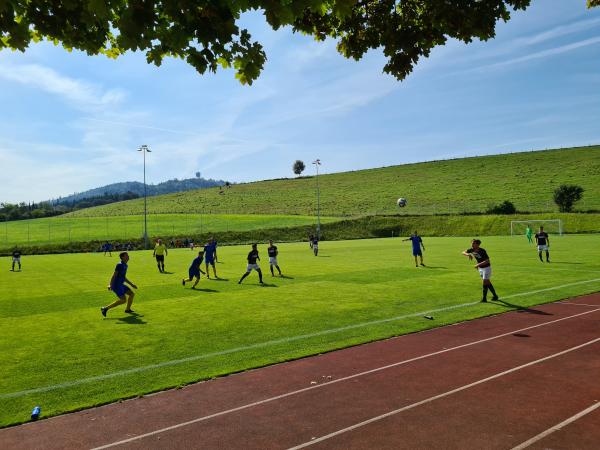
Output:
x,y
566,195
298,167
206,34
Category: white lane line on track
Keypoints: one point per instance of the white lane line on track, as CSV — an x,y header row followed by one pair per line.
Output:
x,y
445,394
556,427
577,304
266,344
349,377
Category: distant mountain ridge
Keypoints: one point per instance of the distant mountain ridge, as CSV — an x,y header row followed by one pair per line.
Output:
x,y
136,187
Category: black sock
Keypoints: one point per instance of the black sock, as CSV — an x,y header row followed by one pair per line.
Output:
x,y
272,273
547,256
540,255
278,269
485,289
492,290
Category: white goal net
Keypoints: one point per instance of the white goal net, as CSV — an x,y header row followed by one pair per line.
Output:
x,y
551,226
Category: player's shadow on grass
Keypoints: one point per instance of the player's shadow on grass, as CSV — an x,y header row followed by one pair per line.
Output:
x,y
204,290
131,319
267,285
521,309
286,277
219,279
434,267
323,256
564,262
168,273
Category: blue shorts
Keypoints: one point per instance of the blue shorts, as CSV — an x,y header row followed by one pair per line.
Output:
x,y
209,261
120,290
194,273
417,252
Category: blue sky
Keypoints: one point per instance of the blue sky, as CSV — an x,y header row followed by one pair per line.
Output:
x,y
73,122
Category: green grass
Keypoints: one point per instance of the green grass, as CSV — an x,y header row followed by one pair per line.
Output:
x,y
53,333
452,186
64,229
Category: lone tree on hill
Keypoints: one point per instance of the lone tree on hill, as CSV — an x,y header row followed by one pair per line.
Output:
x,y
298,167
566,195
207,35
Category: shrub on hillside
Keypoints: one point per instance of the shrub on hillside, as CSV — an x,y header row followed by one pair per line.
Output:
x,y
506,207
566,195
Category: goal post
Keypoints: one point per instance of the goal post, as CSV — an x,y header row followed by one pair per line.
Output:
x,y
553,226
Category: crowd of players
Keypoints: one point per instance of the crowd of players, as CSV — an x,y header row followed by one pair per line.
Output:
x,y
119,281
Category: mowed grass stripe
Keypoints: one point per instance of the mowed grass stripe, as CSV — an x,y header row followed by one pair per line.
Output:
x,y
353,283
279,341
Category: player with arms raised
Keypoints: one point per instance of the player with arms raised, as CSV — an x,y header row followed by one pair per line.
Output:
x,y
484,266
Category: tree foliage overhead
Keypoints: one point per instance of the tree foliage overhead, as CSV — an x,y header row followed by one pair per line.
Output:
x,y
206,34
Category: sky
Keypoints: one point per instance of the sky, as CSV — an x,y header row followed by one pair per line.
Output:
x,y
72,122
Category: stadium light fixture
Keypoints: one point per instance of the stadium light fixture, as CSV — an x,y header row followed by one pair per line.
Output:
x,y
144,149
317,163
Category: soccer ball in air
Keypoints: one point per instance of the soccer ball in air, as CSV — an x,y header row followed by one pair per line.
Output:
x,y
401,202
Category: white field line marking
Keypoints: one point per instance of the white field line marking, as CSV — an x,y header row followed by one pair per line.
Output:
x,y
264,344
445,394
329,383
556,427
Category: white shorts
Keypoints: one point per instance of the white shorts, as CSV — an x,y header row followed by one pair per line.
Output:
x,y
17,259
543,248
252,266
485,272
273,260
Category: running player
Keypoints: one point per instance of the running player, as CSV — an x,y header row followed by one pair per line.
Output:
x,y
417,243
117,285
160,251
543,244
484,267
209,257
273,252
315,245
16,259
252,265
528,234
194,270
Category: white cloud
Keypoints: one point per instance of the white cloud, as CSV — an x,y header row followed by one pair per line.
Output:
x,y
79,93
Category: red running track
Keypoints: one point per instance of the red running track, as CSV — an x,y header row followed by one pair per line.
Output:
x,y
518,380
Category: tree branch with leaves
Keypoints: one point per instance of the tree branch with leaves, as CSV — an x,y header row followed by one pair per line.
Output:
x,y
207,36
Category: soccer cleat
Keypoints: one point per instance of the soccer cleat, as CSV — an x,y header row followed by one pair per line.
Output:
x,y
483,300
103,311
423,264
495,298
183,282
130,311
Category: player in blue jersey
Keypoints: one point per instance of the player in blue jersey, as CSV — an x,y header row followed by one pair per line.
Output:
x,y
209,257
117,285
417,244
194,270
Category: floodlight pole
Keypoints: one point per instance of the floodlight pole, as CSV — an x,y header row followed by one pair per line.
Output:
x,y
317,163
144,149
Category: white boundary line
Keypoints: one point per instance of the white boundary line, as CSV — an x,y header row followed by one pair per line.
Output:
x,y
557,427
265,344
349,377
577,304
436,397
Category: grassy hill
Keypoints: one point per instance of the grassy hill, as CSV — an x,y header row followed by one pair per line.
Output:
x,y
452,186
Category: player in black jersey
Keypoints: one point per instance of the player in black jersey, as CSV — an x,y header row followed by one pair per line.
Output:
x,y
252,265
273,252
16,259
543,244
484,267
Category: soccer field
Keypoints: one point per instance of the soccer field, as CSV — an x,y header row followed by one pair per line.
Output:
x,y
58,352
